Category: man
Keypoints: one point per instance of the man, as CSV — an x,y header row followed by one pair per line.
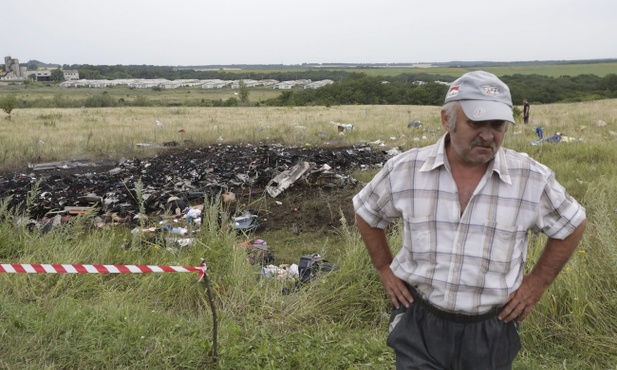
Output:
x,y
525,111
457,284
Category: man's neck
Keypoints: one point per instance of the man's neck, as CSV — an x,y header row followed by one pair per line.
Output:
x,y
457,164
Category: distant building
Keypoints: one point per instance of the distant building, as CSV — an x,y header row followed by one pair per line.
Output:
x,y
180,83
147,83
214,84
12,70
41,75
70,74
246,82
268,82
143,83
318,84
284,85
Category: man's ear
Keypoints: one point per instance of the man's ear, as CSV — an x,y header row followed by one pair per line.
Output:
x,y
444,120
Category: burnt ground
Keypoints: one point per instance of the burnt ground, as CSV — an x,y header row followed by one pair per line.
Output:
x,y
308,209
183,177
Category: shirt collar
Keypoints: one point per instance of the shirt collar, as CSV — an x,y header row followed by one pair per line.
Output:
x,y
437,158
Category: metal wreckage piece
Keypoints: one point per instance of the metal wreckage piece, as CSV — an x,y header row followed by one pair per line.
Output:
x,y
312,174
175,180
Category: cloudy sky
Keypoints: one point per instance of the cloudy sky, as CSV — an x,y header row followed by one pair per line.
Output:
x,y
202,32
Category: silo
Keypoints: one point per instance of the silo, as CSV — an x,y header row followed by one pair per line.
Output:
x,y
15,67
12,65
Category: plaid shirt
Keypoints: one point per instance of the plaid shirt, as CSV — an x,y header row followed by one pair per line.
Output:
x,y
466,262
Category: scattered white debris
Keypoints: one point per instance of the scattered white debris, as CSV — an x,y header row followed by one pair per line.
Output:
x,y
342,127
394,152
414,123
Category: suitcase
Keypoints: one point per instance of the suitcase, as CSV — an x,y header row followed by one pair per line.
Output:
x,y
311,265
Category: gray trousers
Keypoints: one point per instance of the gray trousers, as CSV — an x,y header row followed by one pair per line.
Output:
x,y
423,338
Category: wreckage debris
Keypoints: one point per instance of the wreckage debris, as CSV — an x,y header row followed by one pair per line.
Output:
x,y
61,165
247,222
311,265
414,124
257,251
558,137
342,127
177,180
286,178
281,272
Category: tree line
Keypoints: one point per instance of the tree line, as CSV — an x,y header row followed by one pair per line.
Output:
x,y
358,88
362,89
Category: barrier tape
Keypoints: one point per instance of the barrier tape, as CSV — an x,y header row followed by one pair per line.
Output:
x,y
16,268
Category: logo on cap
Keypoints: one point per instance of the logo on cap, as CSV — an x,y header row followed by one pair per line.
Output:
x,y
488,90
479,112
453,91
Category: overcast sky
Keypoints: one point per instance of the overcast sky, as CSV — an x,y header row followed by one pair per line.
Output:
x,y
201,32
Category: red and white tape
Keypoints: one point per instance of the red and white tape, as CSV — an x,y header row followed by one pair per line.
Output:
x,y
16,268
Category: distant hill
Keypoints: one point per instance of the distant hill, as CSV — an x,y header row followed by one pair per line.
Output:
x,y
41,65
451,64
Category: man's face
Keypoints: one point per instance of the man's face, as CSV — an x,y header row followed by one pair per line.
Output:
x,y
476,142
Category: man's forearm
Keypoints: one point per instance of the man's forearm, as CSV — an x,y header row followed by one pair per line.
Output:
x,y
376,243
555,255
381,255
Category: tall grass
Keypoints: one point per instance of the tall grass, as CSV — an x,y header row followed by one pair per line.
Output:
x,y
339,321
102,133
163,321
39,135
575,323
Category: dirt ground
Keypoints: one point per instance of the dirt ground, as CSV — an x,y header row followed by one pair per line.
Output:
x,y
306,209
303,221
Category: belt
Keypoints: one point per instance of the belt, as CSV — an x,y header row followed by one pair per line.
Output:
x,y
459,318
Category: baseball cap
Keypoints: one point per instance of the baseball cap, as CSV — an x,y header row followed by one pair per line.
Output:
x,y
483,96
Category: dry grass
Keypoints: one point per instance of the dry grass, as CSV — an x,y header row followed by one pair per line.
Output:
x,y
95,133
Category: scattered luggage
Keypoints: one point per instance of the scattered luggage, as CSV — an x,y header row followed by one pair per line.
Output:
x,y
311,266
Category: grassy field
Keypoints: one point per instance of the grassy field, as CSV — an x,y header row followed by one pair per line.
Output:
x,y
43,95
55,134
551,70
51,134
163,321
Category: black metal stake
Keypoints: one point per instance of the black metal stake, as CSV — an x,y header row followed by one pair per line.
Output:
x,y
214,350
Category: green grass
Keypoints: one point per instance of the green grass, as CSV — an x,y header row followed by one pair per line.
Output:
x,y
41,95
163,321
551,70
543,70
